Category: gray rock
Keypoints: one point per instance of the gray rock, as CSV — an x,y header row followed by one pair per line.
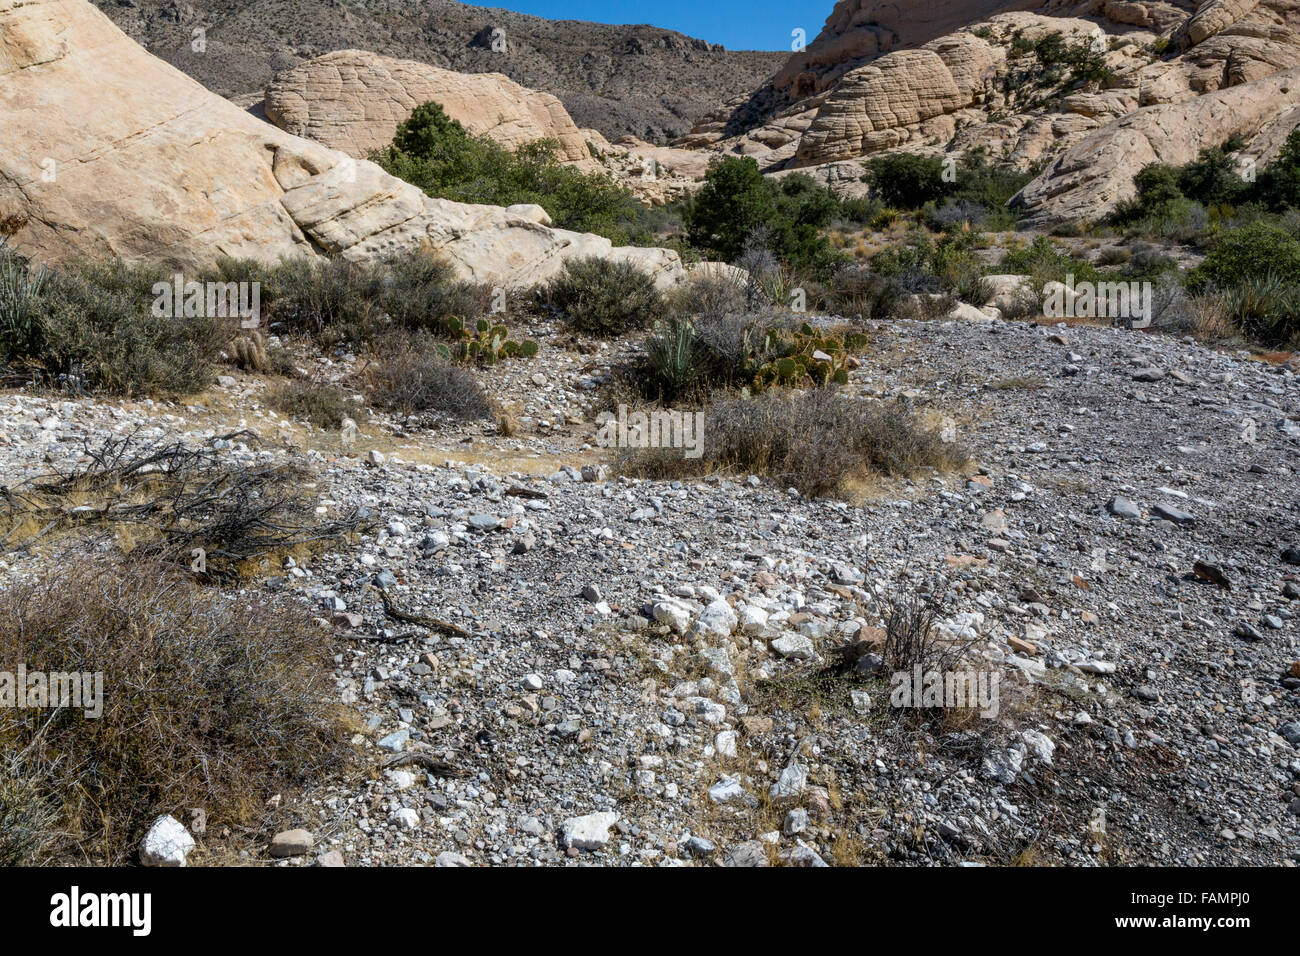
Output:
x,y
291,843
1123,508
1170,513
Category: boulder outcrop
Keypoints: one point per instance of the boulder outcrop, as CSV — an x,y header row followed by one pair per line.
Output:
x,y
1129,82
1092,176
109,151
353,101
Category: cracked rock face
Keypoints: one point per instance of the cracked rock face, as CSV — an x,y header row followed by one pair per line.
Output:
x,y
111,152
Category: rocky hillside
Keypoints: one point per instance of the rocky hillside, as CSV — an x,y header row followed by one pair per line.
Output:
x,y
638,80
1094,90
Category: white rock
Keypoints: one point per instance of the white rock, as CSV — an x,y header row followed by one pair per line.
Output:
x,y
717,619
753,620
1039,744
588,833
794,646
166,844
725,743
726,790
673,613
406,818
791,784
401,779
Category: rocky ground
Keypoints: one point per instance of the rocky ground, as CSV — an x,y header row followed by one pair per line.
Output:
x,y
637,672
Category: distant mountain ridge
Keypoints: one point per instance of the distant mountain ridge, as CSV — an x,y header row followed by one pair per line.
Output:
x,y
640,80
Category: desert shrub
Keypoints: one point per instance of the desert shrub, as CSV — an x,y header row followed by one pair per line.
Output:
x,y
413,377
422,293
322,405
29,816
911,257
957,214
162,500
1265,309
859,211
1254,252
818,441
208,702
711,295
923,266
856,290
1147,262
1113,256
1043,261
95,328
437,154
331,299
605,297
738,207
926,306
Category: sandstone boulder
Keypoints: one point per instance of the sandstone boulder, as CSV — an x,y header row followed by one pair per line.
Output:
x,y
1092,176
353,101
109,151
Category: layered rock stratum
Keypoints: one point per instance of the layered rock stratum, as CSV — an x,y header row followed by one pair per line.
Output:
x,y
108,151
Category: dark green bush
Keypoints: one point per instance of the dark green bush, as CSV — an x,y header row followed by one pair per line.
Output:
x,y
1255,251
906,180
440,156
738,209
979,188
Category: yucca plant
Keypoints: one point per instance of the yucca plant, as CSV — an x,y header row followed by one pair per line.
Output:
x,y
21,287
675,357
1265,308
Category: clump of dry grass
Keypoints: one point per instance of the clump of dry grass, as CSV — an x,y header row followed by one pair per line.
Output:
x,y
818,441
414,378
209,702
322,405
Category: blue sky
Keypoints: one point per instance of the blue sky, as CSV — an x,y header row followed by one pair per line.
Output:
x,y
737,24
